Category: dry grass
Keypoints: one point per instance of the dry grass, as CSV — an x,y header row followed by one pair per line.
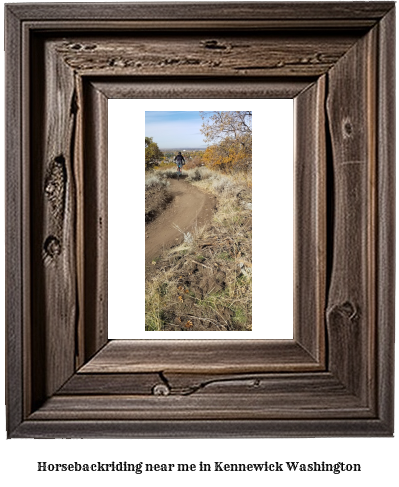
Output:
x,y
156,195
155,181
206,282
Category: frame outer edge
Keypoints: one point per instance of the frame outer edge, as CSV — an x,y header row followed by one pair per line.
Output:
x,y
304,11
14,222
201,429
16,256
386,220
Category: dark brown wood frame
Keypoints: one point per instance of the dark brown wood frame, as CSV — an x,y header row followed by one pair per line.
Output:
x,y
65,379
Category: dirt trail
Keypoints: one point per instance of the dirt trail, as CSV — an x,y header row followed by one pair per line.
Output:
x,y
190,207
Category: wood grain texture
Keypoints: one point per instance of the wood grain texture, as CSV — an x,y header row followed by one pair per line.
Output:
x,y
386,219
187,53
77,145
255,396
187,428
211,26
200,356
111,384
185,384
75,57
351,306
310,239
203,407
360,13
95,223
53,213
197,87
310,180
15,219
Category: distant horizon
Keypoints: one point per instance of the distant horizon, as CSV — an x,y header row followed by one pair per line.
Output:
x,y
184,148
177,129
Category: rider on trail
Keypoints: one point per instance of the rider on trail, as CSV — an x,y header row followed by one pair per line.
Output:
x,y
179,161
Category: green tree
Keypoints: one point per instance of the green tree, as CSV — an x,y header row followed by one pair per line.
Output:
x,y
153,154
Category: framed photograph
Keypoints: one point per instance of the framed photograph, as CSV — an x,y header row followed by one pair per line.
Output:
x,y
205,227
66,377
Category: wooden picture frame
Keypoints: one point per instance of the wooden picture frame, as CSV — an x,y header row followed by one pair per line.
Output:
x,y
64,378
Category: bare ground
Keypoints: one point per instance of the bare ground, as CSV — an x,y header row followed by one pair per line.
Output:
x,y
156,200
205,285
189,207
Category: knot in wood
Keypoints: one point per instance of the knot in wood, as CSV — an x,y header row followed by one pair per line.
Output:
x,y
50,189
161,390
345,310
54,186
347,128
90,47
52,246
213,44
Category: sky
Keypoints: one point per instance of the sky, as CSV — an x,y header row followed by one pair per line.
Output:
x,y
174,130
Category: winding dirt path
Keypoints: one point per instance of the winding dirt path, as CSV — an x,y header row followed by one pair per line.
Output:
x,y
190,207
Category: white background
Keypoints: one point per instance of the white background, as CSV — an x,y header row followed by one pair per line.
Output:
x,y
272,209
378,457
